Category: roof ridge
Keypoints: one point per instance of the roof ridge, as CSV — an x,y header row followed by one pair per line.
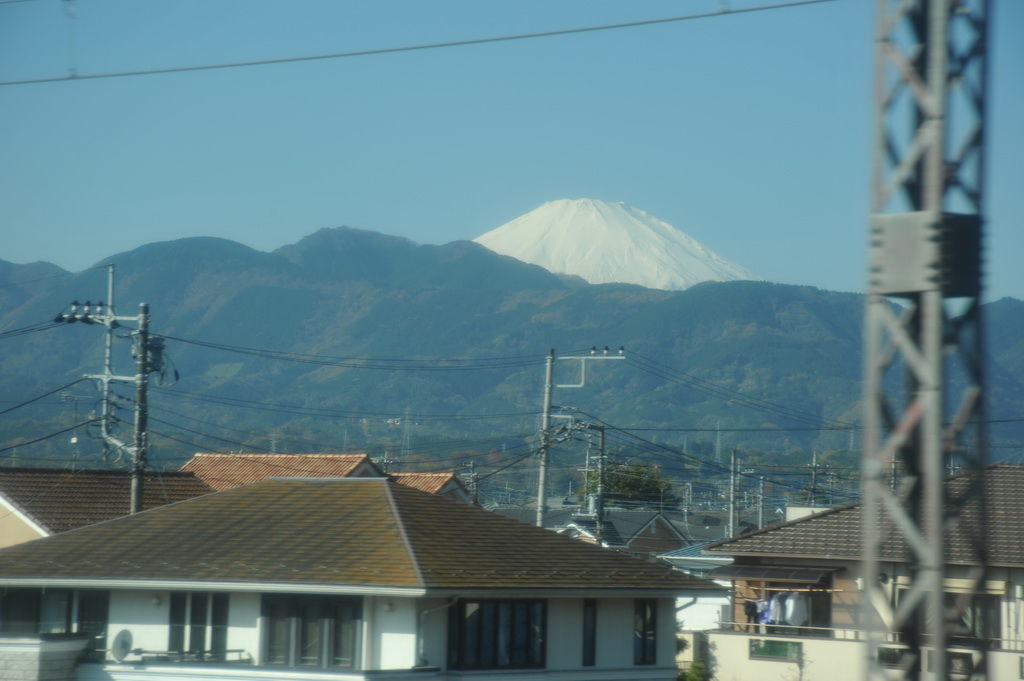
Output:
x,y
772,527
396,513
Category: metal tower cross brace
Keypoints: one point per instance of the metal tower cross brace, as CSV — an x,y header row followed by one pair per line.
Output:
x,y
925,251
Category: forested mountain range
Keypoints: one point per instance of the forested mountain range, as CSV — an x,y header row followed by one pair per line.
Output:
x,y
356,340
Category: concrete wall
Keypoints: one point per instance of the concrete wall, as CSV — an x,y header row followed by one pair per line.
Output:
x,y
823,660
32,659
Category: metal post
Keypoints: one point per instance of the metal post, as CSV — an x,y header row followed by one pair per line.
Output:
x,y
599,505
760,501
545,439
732,494
925,249
141,409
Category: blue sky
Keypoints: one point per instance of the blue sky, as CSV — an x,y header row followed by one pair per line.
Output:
x,y
750,132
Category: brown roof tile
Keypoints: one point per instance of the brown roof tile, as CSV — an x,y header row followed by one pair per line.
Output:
x,y
357,531
60,500
224,471
836,533
425,482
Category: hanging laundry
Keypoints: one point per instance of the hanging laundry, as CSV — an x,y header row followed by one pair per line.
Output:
x,y
796,609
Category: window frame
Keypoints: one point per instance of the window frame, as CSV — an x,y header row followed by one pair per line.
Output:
x,y
645,631
285,624
197,624
589,632
69,618
498,633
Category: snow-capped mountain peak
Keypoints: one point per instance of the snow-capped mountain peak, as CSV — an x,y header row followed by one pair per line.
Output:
x,y
606,242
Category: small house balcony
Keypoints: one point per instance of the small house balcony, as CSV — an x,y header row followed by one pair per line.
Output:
x,y
780,652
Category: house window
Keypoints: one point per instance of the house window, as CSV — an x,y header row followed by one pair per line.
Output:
x,y
589,632
198,623
19,611
645,631
979,621
57,611
497,634
93,617
767,649
311,631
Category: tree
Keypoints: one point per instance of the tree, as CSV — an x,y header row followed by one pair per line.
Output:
x,y
632,482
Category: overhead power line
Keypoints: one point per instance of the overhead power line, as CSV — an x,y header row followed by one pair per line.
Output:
x,y
423,46
39,397
31,328
668,373
9,448
378,363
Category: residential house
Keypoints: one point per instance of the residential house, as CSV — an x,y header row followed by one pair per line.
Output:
x,y
334,579
39,502
224,471
814,563
640,533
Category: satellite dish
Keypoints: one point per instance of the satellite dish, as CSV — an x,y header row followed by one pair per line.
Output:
x,y
122,645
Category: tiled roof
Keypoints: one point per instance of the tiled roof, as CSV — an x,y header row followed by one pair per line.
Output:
x,y
620,525
224,471
367,532
426,482
695,550
836,533
60,500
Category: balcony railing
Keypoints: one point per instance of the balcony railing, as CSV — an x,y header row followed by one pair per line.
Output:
x,y
855,634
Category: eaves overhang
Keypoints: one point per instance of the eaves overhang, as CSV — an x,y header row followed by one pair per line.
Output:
x,y
581,592
195,585
772,573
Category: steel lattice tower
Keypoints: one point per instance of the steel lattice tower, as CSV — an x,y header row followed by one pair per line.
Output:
x,y
923,323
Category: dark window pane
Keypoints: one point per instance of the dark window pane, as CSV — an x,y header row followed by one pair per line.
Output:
x,y
520,633
176,637
93,608
536,634
494,634
589,632
219,626
276,613
310,632
488,634
471,635
197,623
346,628
19,611
504,634
645,641
55,613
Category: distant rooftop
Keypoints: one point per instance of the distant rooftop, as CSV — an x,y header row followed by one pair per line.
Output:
x,y
359,532
225,471
59,500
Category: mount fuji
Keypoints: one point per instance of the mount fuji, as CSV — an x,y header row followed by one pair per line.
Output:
x,y
605,242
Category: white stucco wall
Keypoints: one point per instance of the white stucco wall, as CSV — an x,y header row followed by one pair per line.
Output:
x,y
823,659
434,630
392,634
144,614
701,614
243,625
565,633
